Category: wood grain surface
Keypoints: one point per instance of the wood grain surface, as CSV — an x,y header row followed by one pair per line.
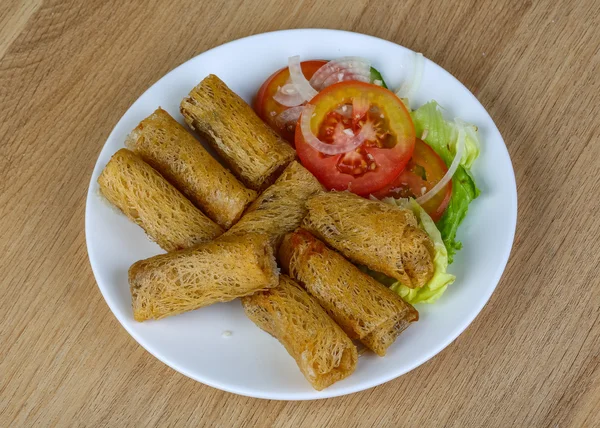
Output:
x,y
70,69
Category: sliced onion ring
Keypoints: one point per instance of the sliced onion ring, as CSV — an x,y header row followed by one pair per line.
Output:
x,y
346,75
460,145
410,86
288,95
299,80
339,64
360,66
289,116
350,143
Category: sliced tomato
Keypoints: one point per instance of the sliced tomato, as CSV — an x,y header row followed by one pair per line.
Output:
x,y
423,171
349,107
269,110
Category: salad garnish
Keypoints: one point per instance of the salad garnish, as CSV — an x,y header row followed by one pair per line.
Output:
x,y
354,134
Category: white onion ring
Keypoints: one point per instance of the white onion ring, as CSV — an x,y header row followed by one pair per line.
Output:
x,y
410,86
346,75
288,95
460,145
337,65
350,143
289,116
299,80
361,65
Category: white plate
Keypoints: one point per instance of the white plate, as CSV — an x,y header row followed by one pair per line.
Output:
x,y
250,362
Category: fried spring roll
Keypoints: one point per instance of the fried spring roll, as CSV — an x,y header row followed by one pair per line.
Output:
x,y
380,236
217,271
253,151
281,208
167,147
150,201
363,308
323,352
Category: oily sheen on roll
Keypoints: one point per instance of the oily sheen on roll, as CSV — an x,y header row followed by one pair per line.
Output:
x,y
380,236
281,208
323,352
255,153
362,307
217,271
171,150
150,201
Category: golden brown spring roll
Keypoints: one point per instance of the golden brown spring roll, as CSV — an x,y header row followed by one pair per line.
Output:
x,y
253,151
363,308
217,271
150,201
281,208
323,352
167,147
380,236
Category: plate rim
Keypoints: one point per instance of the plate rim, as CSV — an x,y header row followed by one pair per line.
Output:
x,y
311,395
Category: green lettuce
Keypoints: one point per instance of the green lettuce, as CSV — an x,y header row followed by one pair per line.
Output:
x,y
442,136
377,77
440,280
464,191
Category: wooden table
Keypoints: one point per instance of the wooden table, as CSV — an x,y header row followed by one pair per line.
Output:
x,y
70,69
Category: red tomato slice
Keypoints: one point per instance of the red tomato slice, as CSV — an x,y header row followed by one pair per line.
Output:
x,y
351,106
268,109
423,171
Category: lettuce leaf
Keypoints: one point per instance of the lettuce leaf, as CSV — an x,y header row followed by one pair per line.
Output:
x,y
464,191
436,286
442,136
376,75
